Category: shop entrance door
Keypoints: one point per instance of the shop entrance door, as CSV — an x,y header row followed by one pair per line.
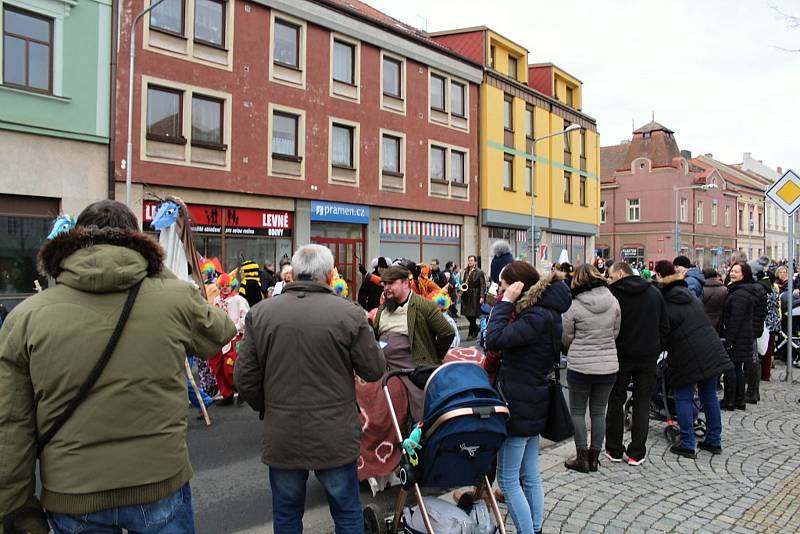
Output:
x,y
347,254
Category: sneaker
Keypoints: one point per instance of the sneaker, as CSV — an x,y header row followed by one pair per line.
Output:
x,y
615,459
635,461
713,449
682,451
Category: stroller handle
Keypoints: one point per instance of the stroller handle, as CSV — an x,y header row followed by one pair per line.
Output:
x,y
418,376
399,372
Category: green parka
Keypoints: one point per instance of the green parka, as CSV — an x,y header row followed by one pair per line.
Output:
x,y
126,443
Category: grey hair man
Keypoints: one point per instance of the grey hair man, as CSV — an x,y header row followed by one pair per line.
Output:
x,y
295,368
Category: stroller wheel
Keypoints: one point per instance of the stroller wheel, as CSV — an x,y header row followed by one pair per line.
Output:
x,y
672,434
373,523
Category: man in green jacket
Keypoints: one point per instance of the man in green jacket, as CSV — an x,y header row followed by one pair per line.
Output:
x,y
123,451
413,328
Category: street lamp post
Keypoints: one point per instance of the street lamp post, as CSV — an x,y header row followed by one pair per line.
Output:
x,y
129,151
568,130
704,187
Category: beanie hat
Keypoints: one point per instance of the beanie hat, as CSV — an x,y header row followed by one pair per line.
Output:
x,y
682,261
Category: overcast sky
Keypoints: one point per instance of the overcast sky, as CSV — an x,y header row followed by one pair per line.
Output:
x,y
710,70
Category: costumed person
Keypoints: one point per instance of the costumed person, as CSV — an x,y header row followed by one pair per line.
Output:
x,y
442,299
414,330
211,269
474,288
250,285
222,363
339,284
369,294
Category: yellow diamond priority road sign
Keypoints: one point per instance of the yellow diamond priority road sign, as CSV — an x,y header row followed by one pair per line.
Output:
x,y
786,192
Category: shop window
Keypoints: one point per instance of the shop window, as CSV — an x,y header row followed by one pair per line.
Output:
x,y
164,114
27,50
168,16
209,22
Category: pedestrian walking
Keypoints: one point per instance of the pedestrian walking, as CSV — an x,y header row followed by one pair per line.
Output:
x,y
642,336
738,330
714,295
695,358
591,326
525,327
123,449
472,295
296,368
414,330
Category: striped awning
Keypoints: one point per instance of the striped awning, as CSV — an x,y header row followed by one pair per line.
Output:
x,y
437,230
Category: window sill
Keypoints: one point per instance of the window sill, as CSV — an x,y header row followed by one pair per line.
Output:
x,y
171,140
210,146
287,157
439,181
168,32
216,46
391,95
459,116
343,167
510,189
392,173
287,66
460,185
439,110
33,92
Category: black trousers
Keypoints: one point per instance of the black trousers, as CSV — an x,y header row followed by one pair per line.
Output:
x,y
643,375
734,385
474,329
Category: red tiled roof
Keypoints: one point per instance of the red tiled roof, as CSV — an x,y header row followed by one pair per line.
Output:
x,y
540,77
660,147
470,44
612,159
732,178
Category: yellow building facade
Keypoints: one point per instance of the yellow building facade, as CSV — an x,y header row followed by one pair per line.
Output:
x,y
525,163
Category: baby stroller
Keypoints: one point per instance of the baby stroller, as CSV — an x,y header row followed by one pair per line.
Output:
x,y
463,427
662,405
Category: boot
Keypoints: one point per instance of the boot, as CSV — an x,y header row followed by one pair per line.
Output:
x,y
580,462
594,460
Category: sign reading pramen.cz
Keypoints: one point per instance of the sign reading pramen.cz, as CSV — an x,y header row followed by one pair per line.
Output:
x,y
339,212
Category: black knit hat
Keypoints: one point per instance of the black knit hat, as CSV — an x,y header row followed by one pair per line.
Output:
x,y
682,261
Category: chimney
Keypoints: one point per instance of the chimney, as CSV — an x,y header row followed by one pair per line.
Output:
x,y
687,154
710,156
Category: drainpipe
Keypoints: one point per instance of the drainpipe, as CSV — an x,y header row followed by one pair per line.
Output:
x,y
112,108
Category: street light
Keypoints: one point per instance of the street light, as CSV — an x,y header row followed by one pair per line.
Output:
x,y
704,187
567,130
129,152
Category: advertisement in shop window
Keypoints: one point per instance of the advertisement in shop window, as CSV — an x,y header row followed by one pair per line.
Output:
x,y
237,222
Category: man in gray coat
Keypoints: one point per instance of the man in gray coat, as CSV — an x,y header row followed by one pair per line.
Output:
x,y
296,367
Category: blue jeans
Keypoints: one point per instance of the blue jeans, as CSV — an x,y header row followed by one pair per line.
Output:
x,y
289,498
684,408
518,461
170,515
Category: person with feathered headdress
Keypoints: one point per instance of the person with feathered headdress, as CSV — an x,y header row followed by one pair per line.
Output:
x,y
236,306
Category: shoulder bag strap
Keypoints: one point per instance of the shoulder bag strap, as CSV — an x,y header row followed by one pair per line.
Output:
x,y
87,386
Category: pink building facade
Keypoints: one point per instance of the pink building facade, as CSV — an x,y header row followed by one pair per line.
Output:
x,y
646,184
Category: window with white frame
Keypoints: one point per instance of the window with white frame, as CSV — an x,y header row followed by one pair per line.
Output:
x,y
27,50
392,77
286,50
714,213
457,167
438,170
448,171
390,146
438,88
458,99
342,138
528,177
684,210
602,211
344,62
447,100
634,210
727,216
698,216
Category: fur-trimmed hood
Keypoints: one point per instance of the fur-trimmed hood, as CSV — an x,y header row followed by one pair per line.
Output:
x,y
668,286
100,260
550,291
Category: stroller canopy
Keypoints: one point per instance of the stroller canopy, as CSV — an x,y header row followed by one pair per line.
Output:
x,y
458,385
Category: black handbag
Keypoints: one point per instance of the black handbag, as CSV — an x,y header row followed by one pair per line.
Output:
x,y
559,421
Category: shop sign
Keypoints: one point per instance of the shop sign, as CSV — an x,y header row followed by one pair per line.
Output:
x,y
631,252
204,219
339,212
256,222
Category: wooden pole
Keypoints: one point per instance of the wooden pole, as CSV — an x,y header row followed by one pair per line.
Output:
x,y
196,391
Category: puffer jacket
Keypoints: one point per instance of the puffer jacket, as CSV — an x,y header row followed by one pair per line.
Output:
x,y
694,279
591,326
694,350
737,320
126,443
530,346
714,295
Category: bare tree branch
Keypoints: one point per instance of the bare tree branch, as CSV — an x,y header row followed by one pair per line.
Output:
x,y
792,21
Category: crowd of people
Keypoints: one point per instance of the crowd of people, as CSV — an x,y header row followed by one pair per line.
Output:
x,y
113,444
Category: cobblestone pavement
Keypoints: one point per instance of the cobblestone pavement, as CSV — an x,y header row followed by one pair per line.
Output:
x,y
754,486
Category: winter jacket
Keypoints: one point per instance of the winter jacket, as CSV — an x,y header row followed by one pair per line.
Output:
x,y
471,298
126,443
694,279
737,321
590,327
296,366
429,333
529,347
760,297
498,262
714,295
644,328
694,350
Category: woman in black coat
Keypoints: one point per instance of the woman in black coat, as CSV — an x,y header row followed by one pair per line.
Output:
x,y
696,359
525,327
737,330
